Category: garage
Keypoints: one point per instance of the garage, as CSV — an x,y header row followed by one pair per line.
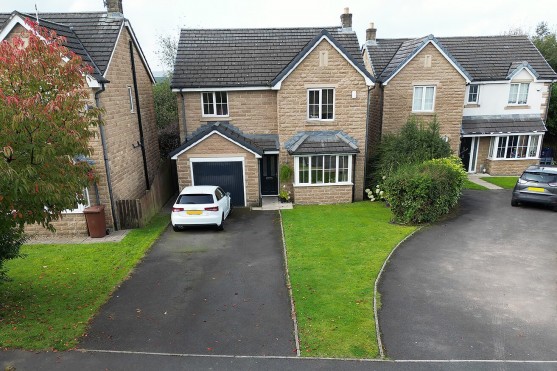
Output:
x,y
225,173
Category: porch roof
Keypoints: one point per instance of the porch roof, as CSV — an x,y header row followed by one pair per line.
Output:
x,y
321,142
502,124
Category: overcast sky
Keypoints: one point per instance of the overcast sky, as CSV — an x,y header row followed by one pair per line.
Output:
x,y
392,18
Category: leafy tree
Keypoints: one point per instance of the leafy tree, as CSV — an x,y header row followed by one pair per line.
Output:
x,y
546,42
168,47
45,129
166,107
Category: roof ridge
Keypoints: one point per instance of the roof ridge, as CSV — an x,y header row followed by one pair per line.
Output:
x,y
259,28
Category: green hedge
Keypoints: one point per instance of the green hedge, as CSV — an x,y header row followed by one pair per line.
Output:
x,y
424,192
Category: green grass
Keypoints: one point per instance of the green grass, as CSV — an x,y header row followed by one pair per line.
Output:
x,y
57,289
506,182
471,185
335,253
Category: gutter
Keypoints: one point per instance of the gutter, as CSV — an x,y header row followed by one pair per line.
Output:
x,y
105,157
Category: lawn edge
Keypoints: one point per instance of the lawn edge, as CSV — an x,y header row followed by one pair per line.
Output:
x,y
375,310
289,287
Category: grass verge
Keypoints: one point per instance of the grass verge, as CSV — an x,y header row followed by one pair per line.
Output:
x,y
506,182
334,254
56,289
471,185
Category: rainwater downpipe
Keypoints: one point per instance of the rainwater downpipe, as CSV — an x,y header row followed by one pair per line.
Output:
x,y
184,115
105,157
139,123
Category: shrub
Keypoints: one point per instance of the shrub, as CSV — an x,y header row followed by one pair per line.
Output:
x,y
417,142
169,139
423,193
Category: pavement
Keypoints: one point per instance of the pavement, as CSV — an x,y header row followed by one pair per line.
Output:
x,y
201,291
477,178
482,285
114,236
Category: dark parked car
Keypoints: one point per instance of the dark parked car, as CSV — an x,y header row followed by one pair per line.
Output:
x,y
538,184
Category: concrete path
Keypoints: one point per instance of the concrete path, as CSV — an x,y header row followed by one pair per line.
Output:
x,y
476,178
482,285
202,291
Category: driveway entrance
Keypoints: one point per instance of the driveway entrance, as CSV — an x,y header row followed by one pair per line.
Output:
x,y
482,285
204,292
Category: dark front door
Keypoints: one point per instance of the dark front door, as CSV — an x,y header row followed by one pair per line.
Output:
x,y
465,150
228,175
269,175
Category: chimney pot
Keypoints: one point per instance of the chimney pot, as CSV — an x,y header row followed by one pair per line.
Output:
x,y
114,6
346,20
371,35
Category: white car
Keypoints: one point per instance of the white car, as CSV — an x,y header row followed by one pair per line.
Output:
x,y
201,205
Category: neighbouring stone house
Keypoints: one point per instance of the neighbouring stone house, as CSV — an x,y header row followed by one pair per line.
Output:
x,y
490,95
254,100
126,153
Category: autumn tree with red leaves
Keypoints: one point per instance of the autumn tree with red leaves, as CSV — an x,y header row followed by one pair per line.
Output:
x,y
45,128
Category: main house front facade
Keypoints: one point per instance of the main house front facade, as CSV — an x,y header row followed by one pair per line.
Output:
x,y
125,148
253,101
489,94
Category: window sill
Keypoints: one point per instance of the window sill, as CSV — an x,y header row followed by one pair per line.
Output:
x,y
323,184
518,106
318,121
423,112
513,159
471,105
215,118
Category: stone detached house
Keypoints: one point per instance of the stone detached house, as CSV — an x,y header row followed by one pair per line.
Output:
x,y
489,94
126,153
254,100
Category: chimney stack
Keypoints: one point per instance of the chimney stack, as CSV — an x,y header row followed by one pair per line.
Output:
x,y
346,20
114,7
371,35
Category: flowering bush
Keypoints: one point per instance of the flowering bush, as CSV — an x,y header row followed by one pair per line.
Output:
x,y
378,194
284,193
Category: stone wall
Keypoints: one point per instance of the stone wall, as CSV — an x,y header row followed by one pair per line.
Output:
x,y
322,194
509,167
349,114
217,146
69,225
253,112
121,123
449,95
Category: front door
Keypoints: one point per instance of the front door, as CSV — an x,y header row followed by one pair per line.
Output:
x,y
465,150
269,175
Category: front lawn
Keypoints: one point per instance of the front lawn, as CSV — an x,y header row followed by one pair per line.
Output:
x,y
506,182
471,185
56,289
335,253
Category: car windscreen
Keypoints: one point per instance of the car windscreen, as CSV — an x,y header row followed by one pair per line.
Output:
x,y
539,177
194,199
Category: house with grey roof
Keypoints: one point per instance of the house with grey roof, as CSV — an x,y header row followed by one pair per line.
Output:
x,y
253,101
125,150
490,95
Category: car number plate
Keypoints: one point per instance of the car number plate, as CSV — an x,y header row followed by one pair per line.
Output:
x,y
194,212
536,189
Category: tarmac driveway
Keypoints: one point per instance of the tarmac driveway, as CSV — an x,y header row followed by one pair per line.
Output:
x,y
482,285
202,291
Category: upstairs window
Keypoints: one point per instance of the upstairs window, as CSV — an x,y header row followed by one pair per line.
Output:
x,y
130,94
519,93
321,104
423,99
473,93
215,103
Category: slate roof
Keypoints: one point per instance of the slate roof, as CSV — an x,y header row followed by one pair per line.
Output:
x,y
92,33
209,58
258,143
498,124
484,58
321,142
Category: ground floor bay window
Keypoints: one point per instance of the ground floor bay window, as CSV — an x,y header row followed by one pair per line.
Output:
x,y
323,170
524,146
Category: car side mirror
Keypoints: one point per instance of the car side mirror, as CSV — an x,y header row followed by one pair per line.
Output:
x,y
228,194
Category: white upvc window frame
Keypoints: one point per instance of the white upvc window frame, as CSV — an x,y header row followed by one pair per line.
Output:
x,y
214,104
477,94
495,141
130,93
514,99
422,104
309,183
320,90
80,207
